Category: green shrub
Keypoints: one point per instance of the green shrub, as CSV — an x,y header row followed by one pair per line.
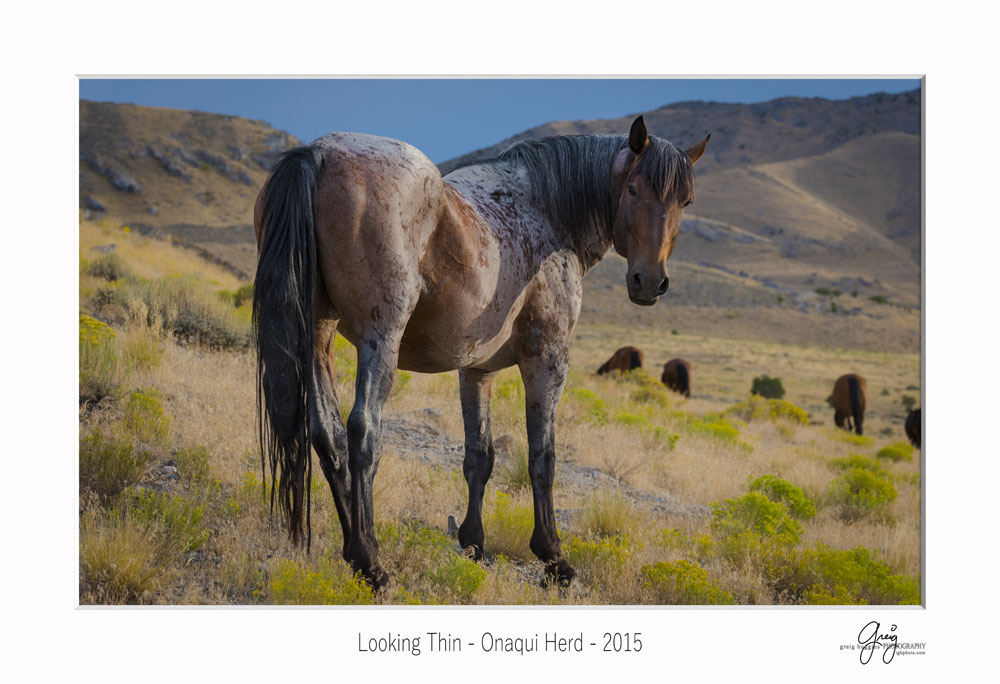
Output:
x,y
110,267
602,562
767,387
753,525
330,583
458,576
757,408
860,493
596,414
700,548
716,426
900,451
851,438
508,527
193,463
176,522
683,583
632,420
109,465
428,554
243,295
650,395
609,513
783,491
826,576
510,389
184,305
145,418
103,370
858,461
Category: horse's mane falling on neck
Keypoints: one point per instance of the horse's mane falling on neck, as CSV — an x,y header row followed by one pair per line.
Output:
x,y
571,176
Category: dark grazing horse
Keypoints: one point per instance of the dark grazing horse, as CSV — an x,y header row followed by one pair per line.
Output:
x,y
478,271
677,376
912,427
625,359
849,398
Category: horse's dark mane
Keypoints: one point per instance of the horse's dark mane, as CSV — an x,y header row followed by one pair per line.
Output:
x,y
571,175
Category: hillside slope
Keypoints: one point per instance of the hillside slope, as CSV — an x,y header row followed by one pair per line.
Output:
x,y
191,174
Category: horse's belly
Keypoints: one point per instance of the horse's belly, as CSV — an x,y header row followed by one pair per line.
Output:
x,y
443,336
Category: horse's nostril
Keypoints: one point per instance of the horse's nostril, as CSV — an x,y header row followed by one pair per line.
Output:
x,y
636,280
663,286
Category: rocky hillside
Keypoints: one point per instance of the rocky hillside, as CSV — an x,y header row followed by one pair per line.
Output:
x,y
190,174
807,211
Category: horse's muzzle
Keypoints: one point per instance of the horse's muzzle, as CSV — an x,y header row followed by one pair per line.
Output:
x,y
640,292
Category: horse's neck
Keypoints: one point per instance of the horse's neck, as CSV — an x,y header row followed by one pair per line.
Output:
x,y
486,185
591,244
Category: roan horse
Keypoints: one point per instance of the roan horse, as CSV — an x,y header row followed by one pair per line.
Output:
x,y
478,271
850,395
625,359
677,376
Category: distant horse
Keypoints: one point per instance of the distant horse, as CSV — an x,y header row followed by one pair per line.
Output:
x,y
677,376
625,359
912,427
478,271
849,398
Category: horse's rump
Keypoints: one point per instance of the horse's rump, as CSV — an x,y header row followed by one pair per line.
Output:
x,y
677,376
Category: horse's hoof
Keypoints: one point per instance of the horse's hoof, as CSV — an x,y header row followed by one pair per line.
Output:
x,y
559,573
376,578
469,540
474,551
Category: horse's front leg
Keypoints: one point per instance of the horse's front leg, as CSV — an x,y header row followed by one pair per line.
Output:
x,y
476,388
544,378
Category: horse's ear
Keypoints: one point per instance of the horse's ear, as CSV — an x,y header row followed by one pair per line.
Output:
x,y
694,153
637,137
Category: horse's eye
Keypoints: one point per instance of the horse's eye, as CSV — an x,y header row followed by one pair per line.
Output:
x,y
631,191
689,203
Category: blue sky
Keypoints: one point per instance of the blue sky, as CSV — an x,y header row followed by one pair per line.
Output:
x,y
449,117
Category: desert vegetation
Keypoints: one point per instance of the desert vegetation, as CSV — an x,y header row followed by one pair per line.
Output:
x,y
726,497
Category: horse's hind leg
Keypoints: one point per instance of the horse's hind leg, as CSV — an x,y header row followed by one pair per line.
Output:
x,y
475,388
378,354
544,378
329,437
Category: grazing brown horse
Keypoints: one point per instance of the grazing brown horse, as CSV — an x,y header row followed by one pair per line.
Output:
x,y
478,271
677,376
849,398
912,427
625,359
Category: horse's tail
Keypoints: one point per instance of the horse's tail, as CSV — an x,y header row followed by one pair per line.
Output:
x,y
854,389
635,359
683,380
284,328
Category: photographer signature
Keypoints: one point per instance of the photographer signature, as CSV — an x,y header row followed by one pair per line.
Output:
x,y
870,639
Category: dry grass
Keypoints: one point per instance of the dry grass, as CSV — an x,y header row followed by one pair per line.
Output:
x,y
668,465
